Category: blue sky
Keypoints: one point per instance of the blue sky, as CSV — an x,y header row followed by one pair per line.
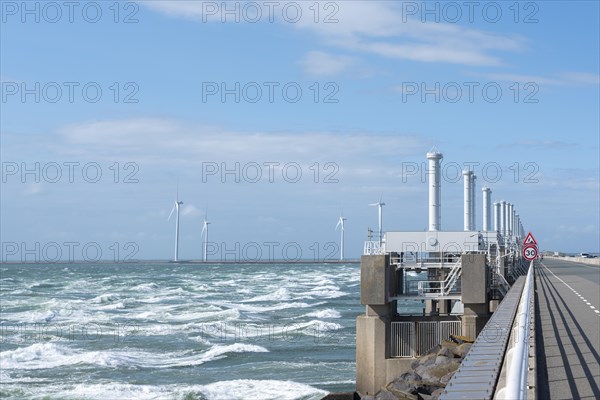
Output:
x,y
361,120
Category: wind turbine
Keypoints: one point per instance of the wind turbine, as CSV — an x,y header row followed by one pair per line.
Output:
x,y
379,205
341,223
176,207
205,234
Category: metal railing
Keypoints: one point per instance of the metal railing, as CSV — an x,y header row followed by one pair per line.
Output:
x,y
479,375
420,261
373,248
441,288
518,354
503,285
413,339
403,339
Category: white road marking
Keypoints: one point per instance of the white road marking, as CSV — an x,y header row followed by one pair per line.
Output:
x,y
573,290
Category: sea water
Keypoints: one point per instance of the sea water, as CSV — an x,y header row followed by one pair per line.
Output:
x,y
151,330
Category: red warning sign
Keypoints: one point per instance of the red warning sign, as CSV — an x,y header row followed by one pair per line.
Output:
x,y
529,240
530,252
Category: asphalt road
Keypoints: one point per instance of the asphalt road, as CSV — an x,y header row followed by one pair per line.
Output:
x,y
568,330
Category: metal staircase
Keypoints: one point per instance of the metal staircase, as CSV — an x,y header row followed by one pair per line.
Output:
x,y
443,288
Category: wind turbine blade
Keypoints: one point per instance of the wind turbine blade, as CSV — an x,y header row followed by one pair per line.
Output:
x,y
338,224
172,209
374,204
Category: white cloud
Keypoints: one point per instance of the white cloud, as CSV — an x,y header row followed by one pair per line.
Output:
x,y
158,141
380,28
325,64
564,79
582,78
377,28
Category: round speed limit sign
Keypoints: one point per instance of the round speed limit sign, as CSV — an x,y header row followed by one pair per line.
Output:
x,y
530,253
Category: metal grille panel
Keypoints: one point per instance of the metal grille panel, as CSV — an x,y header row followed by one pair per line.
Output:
x,y
413,339
448,328
403,337
428,333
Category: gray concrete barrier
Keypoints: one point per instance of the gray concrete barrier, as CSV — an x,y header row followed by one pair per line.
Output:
x,y
590,261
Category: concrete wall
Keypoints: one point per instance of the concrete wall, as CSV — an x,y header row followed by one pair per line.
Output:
x,y
590,261
370,354
377,285
474,294
474,278
377,280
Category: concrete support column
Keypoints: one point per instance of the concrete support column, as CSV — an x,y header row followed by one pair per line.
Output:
x,y
377,284
474,294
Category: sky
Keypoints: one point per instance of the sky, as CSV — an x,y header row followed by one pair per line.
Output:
x,y
270,119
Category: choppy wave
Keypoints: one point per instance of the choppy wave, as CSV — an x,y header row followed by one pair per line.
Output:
x,y
280,294
328,313
52,355
245,389
241,389
178,331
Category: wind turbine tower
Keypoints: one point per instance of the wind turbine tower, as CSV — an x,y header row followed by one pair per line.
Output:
x,y
205,234
341,224
176,208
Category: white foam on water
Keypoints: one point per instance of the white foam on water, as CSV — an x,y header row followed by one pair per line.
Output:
x,y
106,298
289,331
249,389
52,355
114,306
324,282
292,304
159,299
146,287
344,382
325,326
220,315
323,293
211,316
261,309
4,376
230,282
280,294
218,351
328,313
21,291
31,317
242,389
108,390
